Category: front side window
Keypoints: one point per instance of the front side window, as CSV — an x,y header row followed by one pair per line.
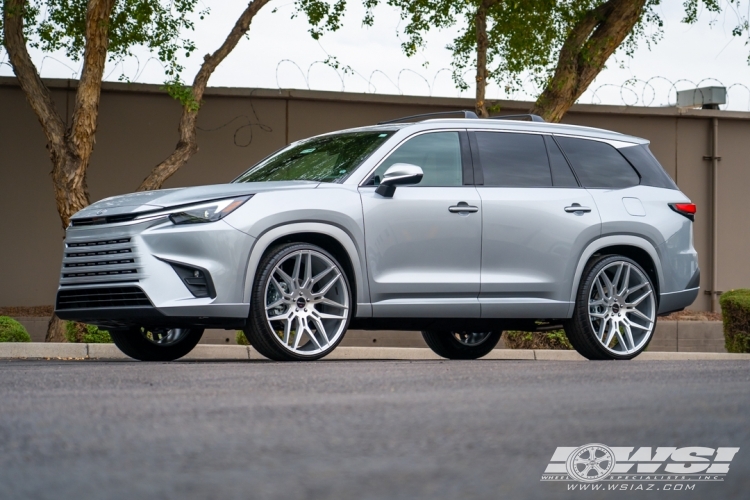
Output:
x,y
597,164
321,159
513,160
438,154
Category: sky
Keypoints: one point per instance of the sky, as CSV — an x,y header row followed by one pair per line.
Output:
x,y
279,53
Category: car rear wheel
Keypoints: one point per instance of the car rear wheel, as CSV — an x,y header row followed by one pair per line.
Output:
x,y
615,312
159,344
461,345
301,304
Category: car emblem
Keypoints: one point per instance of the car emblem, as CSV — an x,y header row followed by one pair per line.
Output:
x,y
100,212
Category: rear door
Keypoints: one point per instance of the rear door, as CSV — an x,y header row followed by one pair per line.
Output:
x,y
536,222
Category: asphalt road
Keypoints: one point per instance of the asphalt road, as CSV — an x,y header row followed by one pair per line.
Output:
x,y
352,430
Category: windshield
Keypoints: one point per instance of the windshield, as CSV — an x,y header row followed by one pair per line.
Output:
x,y
321,159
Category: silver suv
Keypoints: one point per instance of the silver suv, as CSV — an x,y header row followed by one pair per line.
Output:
x,y
459,228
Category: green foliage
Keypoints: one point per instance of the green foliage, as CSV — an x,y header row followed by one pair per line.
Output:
x,y
241,339
735,311
553,339
182,93
79,333
157,25
12,331
322,15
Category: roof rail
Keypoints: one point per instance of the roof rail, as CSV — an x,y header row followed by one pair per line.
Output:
x,y
465,112
533,118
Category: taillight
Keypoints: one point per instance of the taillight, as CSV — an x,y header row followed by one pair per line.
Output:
x,y
686,209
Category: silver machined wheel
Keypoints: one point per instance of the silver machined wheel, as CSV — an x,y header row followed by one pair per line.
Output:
x,y
471,338
307,302
622,308
166,336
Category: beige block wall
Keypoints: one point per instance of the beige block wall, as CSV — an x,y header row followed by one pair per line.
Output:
x,y
237,127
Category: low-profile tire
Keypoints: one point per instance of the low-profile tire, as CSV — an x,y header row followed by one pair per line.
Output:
x,y
301,303
615,311
165,344
461,345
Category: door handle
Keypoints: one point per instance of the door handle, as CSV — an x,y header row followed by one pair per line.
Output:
x,y
576,207
463,208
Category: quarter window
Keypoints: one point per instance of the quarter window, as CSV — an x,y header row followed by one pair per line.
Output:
x,y
597,164
513,160
437,153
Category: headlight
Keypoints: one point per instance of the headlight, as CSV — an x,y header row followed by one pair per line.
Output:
x,y
207,212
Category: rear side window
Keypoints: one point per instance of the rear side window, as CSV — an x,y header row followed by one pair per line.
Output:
x,y
597,164
562,176
652,173
513,160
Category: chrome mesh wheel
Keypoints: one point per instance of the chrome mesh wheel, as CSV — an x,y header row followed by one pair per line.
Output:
x,y
164,336
622,308
307,302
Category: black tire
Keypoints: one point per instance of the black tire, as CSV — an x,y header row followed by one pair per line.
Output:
x,y
446,345
579,330
259,333
134,343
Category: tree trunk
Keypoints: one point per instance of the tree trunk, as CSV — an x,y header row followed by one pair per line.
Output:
x,y
187,145
55,330
480,26
588,47
70,150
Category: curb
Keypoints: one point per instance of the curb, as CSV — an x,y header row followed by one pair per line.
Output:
x,y
41,350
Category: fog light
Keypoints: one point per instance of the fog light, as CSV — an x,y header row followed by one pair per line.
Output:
x,y
196,279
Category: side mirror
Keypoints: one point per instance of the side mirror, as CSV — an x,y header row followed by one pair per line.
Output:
x,y
399,174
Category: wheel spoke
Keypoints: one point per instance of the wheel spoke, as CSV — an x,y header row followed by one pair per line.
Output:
x,y
616,279
297,265
640,315
633,324
607,283
636,288
298,333
598,315
639,299
321,275
621,341
611,333
328,286
599,288
629,336
287,330
288,279
330,302
602,327
625,280
321,329
328,316
276,304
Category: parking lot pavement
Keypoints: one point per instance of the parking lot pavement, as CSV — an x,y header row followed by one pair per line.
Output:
x,y
352,429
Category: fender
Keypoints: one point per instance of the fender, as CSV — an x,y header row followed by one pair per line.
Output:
x,y
265,239
608,241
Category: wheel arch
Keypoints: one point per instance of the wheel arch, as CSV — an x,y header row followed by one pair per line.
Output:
x,y
638,249
333,239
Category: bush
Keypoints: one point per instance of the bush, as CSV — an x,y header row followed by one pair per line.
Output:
x,y
553,339
80,333
12,331
241,339
735,309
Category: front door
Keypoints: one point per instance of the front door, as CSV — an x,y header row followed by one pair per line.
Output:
x,y
423,249
537,221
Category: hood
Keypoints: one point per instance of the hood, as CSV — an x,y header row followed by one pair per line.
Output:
x,y
146,201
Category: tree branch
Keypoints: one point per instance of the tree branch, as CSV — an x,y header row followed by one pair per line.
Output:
x,y
37,94
588,47
187,145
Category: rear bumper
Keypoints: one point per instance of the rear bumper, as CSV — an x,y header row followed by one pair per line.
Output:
x,y
676,301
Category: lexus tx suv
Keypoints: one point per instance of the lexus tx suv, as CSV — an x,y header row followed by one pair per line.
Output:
x,y
459,228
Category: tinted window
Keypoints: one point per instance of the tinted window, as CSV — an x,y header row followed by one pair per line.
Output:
x,y
438,154
562,175
597,164
513,160
321,159
652,173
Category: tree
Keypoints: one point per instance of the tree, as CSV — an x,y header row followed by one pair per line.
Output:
x,y
561,45
191,98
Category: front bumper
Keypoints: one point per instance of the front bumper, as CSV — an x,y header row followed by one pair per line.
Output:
x,y
124,275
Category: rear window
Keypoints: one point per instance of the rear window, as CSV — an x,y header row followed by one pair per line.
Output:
x,y
513,160
652,173
597,164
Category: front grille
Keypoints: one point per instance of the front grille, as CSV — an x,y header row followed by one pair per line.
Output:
x,y
111,219
100,261
106,297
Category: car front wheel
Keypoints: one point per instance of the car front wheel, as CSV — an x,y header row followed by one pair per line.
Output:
x,y
159,344
615,311
301,303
